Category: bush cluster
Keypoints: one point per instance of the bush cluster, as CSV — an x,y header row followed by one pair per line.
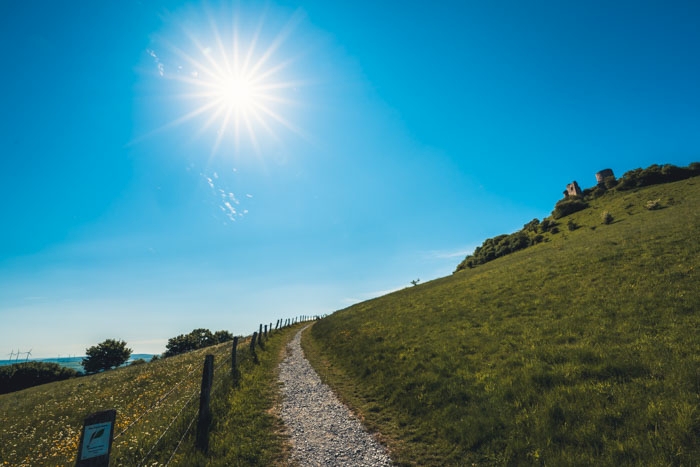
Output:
x,y
25,375
197,339
638,178
568,206
501,245
656,174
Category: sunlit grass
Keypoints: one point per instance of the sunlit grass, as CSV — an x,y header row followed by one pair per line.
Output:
x,y
582,350
42,425
246,430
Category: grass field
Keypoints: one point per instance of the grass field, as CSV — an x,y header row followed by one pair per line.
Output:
x,y
155,403
582,350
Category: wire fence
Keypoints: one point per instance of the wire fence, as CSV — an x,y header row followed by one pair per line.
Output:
x,y
164,427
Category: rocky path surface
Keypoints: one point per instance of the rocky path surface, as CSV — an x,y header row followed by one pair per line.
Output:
x,y
323,431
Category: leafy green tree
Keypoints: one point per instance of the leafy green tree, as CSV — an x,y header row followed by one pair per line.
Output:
x,y
106,355
180,344
197,339
203,337
222,336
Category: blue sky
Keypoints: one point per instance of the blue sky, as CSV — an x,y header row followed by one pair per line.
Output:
x,y
383,142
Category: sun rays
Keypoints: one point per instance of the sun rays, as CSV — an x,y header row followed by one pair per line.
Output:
x,y
235,85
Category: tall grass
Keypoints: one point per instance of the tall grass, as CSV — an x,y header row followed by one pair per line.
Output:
x,y
155,403
246,430
582,350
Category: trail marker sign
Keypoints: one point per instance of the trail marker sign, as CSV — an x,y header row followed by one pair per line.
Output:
x,y
96,439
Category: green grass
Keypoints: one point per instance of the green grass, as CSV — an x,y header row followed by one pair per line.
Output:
x,y
246,430
583,350
41,425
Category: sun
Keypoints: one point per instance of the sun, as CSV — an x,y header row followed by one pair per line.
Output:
x,y
237,93
238,88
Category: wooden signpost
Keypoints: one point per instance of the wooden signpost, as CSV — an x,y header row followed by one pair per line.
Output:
x,y
96,439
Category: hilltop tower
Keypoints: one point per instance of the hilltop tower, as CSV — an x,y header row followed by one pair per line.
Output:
x,y
602,175
572,189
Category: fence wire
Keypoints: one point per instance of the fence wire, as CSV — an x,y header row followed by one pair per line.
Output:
x,y
194,393
218,383
156,403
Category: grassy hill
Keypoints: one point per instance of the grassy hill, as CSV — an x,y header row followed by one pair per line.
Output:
x,y
581,350
156,404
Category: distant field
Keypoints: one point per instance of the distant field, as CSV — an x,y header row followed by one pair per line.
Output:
x,y
582,350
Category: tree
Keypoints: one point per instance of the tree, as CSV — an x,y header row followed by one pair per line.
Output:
x,y
197,339
105,356
222,336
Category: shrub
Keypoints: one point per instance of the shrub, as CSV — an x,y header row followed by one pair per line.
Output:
x,y
496,247
546,225
568,206
609,182
656,174
532,225
28,374
571,225
606,217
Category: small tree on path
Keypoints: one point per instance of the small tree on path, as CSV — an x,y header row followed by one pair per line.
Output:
x,y
105,356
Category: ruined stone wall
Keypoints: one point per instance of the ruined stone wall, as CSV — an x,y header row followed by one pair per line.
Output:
x,y
572,189
602,175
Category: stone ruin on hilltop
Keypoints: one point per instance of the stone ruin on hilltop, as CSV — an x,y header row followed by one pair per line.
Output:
x,y
572,189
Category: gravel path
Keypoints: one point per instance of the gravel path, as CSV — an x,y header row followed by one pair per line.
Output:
x,y
323,431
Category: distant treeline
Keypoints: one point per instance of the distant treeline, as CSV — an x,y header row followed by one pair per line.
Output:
x,y
25,375
533,232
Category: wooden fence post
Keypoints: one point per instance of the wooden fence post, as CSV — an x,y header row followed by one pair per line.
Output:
x,y
266,332
234,352
260,336
204,421
252,347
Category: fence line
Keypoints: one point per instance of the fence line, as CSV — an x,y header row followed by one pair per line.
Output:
x,y
156,403
256,340
194,393
181,439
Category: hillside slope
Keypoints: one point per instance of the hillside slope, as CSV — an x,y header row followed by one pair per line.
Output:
x,y
582,350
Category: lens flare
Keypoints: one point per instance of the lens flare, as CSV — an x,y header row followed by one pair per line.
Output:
x,y
238,87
